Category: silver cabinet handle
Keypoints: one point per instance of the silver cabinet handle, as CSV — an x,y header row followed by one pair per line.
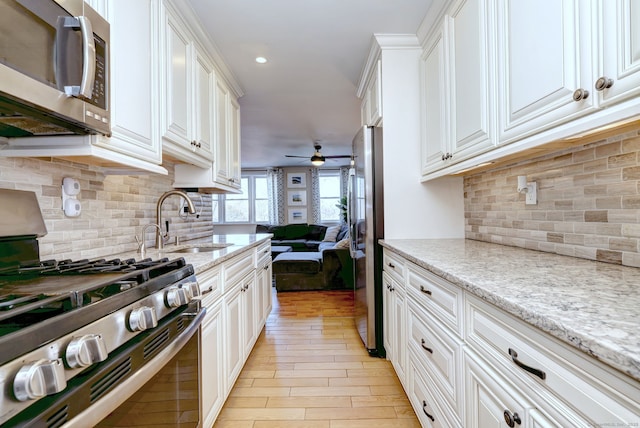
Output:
x,y
603,83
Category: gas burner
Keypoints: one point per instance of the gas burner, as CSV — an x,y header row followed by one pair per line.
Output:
x,y
79,267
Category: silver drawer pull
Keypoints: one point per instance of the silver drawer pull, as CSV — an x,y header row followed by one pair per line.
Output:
x,y
514,357
425,291
422,343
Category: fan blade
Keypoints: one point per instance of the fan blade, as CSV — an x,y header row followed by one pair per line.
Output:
x,y
338,156
293,156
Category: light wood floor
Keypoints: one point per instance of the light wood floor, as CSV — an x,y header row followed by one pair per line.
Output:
x,y
309,369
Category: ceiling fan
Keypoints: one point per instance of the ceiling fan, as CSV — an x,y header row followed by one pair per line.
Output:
x,y
318,158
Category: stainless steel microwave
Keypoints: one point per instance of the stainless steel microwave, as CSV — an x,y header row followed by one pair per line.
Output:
x,y
54,69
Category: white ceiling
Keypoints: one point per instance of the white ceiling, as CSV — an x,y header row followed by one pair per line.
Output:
x,y
316,50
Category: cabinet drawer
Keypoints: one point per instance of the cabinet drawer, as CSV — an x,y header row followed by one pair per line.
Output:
x,y
237,268
599,393
437,296
427,408
394,265
440,353
210,285
263,254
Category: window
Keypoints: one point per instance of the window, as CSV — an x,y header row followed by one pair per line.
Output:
x,y
250,206
329,185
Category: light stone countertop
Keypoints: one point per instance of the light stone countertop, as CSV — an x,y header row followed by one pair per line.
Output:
x,y
205,260
590,305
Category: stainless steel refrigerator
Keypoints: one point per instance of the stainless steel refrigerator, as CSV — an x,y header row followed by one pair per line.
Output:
x,y
366,221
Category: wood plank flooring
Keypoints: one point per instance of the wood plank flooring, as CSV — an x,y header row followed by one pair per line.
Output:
x,y
309,369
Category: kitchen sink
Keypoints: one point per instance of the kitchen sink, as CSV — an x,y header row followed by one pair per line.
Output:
x,y
203,249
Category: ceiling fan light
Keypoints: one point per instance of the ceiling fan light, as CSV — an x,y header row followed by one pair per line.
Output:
x,y
317,160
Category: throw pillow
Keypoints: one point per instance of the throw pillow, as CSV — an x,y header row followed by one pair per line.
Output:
x,y
331,234
343,243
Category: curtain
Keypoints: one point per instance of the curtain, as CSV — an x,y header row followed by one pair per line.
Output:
x,y
344,180
315,195
275,187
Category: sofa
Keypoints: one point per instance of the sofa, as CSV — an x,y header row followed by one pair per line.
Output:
x,y
314,263
300,237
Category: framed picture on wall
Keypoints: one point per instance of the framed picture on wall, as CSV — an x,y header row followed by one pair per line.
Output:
x,y
297,197
297,215
297,179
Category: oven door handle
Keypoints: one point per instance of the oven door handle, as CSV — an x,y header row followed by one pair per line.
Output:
x,y
107,404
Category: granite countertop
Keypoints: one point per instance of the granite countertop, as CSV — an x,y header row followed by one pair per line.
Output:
x,y
590,305
205,260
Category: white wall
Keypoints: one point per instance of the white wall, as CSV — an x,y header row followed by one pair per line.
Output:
x,y
412,209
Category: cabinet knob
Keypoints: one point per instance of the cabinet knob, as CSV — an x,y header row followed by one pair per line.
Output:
x,y
511,419
603,83
580,94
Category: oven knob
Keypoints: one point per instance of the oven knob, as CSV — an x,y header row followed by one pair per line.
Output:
x,y
86,350
175,297
193,287
39,378
142,318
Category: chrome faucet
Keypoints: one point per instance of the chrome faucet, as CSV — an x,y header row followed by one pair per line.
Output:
x,y
142,247
192,210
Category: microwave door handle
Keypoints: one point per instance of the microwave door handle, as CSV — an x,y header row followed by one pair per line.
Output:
x,y
89,57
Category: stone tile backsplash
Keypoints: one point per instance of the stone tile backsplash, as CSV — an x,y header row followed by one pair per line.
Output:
x,y
588,202
114,207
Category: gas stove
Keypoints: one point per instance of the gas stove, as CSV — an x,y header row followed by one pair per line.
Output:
x,y
61,319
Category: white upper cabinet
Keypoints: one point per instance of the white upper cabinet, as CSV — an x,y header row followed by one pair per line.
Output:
x,y
545,71
187,95
458,91
434,103
471,54
619,76
371,107
134,146
223,174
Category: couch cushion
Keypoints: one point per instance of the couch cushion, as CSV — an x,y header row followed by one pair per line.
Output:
x,y
331,234
316,232
301,262
296,231
344,232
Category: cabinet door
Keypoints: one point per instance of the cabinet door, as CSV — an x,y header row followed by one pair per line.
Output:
x,y
234,143
222,169
388,317
541,66
621,49
135,81
204,96
234,348
434,104
490,401
472,83
249,316
212,365
263,284
177,90
399,341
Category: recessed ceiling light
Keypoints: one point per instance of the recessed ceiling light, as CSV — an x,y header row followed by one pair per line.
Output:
x,y
261,60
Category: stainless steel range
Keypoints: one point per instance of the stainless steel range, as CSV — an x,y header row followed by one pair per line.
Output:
x,y
72,331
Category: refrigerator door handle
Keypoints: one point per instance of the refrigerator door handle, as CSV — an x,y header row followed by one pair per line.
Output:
x,y
350,211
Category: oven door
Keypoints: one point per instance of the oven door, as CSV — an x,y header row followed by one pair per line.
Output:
x,y
153,378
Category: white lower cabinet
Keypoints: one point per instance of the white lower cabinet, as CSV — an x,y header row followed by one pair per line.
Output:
x,y
492,403
472,365
235,296
212,365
